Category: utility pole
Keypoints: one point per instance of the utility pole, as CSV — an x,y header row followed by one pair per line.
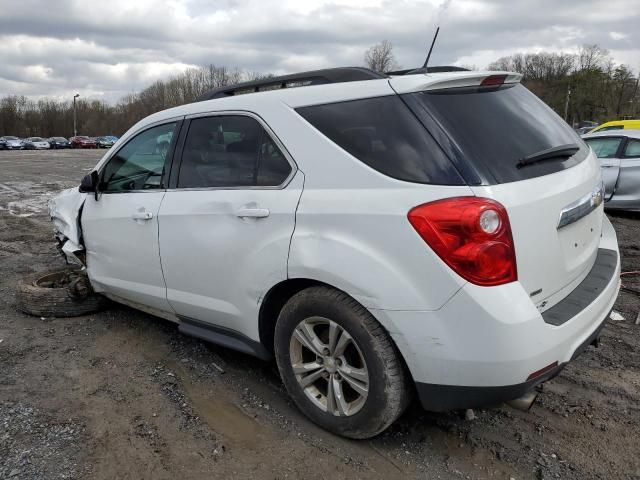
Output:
x,y
566,103
75,130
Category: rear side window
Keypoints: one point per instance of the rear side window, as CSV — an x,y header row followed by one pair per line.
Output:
x,y
606,147
632,150
230,151
383,133
494,129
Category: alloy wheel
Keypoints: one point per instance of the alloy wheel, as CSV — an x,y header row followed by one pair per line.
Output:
x,y
329,366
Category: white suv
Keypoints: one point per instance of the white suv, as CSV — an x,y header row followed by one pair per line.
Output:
x,y
440,234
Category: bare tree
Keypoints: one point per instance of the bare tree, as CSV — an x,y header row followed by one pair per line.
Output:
x,y
380,58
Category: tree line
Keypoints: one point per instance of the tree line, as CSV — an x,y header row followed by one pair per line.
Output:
x,y
583,86
587,85
23,117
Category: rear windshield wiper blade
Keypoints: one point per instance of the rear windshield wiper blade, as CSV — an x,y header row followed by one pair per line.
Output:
x,y
562,151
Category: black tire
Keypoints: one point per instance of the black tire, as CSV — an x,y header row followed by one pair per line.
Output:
x,y
388,389
40,295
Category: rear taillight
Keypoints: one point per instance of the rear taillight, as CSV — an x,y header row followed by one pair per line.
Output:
x,y
472,235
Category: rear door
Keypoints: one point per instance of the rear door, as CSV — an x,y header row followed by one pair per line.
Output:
x,y
608,150
227,221
120,228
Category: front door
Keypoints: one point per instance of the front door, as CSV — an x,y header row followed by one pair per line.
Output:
x,y
120,228
226,227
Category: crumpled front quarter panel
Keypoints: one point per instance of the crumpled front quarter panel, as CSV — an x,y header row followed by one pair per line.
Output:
x,y
64,210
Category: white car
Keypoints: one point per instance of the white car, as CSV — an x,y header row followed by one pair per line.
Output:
x,y
437,233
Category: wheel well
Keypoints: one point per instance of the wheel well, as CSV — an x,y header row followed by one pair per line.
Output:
x,y
278,296
272,304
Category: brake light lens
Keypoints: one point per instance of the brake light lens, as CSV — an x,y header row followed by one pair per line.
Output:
x,y
471,235
493,81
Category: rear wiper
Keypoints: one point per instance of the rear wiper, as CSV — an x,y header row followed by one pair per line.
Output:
x,y
562,151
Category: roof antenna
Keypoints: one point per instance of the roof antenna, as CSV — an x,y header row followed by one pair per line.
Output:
x,y
433,42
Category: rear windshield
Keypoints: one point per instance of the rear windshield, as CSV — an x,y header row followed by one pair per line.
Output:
x,y
496,129
383,133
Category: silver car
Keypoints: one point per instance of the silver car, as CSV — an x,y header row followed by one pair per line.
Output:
x,y
13,143
36,143
619,154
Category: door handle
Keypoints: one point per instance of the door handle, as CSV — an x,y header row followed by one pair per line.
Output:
x,y
607,166
142,215
252,212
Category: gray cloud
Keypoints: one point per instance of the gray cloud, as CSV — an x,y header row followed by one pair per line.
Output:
x,y
107,49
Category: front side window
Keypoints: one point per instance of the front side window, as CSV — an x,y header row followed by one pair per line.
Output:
x,y
139,164
632,149
230,151
606,147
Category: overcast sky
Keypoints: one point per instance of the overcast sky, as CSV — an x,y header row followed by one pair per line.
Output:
x,y
107,48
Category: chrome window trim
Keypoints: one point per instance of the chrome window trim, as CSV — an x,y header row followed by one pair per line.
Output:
x,y
582,207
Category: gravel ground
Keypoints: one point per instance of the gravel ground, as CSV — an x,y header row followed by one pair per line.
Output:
x,y
121,394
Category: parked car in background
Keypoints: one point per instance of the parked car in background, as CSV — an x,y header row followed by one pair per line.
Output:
x,y
617,125
36,143
619,154
583,130
82,141
59,142
106,142
13,143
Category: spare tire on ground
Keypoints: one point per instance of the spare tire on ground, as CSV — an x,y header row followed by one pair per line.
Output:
x,y
63,292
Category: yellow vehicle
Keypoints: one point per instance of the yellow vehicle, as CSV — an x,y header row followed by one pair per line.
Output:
x,y
618,125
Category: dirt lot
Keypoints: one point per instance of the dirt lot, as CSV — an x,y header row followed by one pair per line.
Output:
x,y
121,394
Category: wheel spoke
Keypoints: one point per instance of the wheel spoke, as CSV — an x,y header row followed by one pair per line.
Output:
x,y
331,397
338,394
357,378
305,381
307,337
342,343
302,368
334,334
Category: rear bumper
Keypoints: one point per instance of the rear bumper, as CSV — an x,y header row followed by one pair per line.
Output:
x,y
483,345
441,398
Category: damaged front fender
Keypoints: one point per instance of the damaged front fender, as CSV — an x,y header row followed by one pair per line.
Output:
x,y
65,210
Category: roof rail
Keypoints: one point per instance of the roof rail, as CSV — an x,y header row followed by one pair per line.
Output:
x,y
303,79
436,69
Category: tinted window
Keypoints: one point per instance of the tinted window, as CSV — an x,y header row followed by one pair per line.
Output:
x,y
230,151
606,147
383,133
632,149
139,164
494,129
612,127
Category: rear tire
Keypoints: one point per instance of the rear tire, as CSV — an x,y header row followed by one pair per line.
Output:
x,y
63,292
349,377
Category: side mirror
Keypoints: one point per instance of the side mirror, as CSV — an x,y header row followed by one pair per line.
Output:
x,y
90,184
